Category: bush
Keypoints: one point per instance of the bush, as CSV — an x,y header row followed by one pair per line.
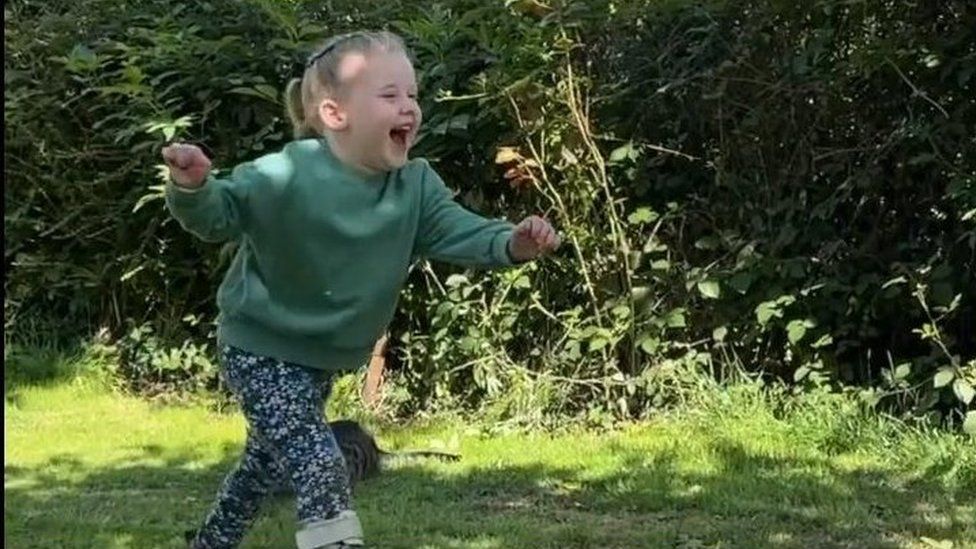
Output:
x,y
742,186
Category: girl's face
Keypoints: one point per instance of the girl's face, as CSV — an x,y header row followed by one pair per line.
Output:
x,y
378,110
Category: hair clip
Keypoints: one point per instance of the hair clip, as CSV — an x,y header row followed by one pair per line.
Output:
x,y
328,48
320,54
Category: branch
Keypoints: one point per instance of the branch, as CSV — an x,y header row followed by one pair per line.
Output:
x,y
915,90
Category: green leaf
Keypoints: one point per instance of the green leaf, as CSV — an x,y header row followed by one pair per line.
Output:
x,y
661,265
131,273
506,155
707,243
262,91
650,345
824,340
709,289
969,425
740,282
641,296
169,127
870,397
642,215
923,158
676,319
801,373
569,157
903,370
964,391
459,122
653,245
718,334
134,75
893,281
598,343
455,280
766,311
937,543
796,329
621,153
82,57
785,300
944,376
621,311
158,193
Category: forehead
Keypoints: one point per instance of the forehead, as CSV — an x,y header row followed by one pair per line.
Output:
x,y
377,68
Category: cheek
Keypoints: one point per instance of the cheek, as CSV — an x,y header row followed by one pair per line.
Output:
x,y
383,113
372,118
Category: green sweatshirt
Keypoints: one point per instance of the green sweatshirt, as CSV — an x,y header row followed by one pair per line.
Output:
x,y
324,251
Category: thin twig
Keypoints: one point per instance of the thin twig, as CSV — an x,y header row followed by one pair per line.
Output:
x,y
553,195
915,90
666,150
430,272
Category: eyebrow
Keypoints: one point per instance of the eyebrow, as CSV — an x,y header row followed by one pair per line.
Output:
x,y
394,87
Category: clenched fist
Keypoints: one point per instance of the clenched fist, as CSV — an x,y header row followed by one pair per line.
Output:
x,y
533,237
188,166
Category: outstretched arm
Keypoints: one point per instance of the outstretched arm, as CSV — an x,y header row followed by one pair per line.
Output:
x,y
211,209
450,233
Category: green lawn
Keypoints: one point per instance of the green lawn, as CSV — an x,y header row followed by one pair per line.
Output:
x,y
84,467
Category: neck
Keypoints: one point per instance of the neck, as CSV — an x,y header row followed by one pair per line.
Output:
x,y
341,151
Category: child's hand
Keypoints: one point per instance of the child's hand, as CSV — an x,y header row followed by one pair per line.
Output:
x,y
532,238
188,166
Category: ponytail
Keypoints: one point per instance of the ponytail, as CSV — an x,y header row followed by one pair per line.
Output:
x,y
296,110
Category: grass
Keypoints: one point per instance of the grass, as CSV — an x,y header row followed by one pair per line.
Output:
x,y
84,467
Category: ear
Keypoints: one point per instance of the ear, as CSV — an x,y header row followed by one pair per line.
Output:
x,y
332,115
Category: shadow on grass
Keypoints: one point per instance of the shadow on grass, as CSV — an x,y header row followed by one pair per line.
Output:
x,y
746,500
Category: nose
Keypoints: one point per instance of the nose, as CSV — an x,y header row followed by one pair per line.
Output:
x,y
409,106
411,109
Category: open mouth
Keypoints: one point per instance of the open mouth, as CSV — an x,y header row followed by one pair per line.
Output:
x,y
401,135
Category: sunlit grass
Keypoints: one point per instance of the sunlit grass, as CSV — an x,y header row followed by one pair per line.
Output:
x,y
85,467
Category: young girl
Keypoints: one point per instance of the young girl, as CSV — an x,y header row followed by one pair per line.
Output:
x,y
327,229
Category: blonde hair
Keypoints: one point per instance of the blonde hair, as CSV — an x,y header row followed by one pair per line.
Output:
x,y
321,76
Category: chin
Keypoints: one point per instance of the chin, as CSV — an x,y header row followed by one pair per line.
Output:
x,y
397,162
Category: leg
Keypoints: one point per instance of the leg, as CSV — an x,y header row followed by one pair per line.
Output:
x,y
281,482
283,405
239,498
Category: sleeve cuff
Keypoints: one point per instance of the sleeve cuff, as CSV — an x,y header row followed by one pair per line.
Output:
x,y
187,195
505,239
187,190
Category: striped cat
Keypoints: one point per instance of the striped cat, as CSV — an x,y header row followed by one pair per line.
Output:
x,y
363,457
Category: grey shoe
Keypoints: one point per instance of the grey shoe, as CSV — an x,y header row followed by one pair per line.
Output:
x,y
338,532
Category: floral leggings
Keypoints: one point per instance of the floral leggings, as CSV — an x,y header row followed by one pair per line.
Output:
x,y
287,439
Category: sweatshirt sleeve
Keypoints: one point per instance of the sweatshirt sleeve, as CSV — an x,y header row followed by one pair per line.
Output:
x,y
450,233
217,210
